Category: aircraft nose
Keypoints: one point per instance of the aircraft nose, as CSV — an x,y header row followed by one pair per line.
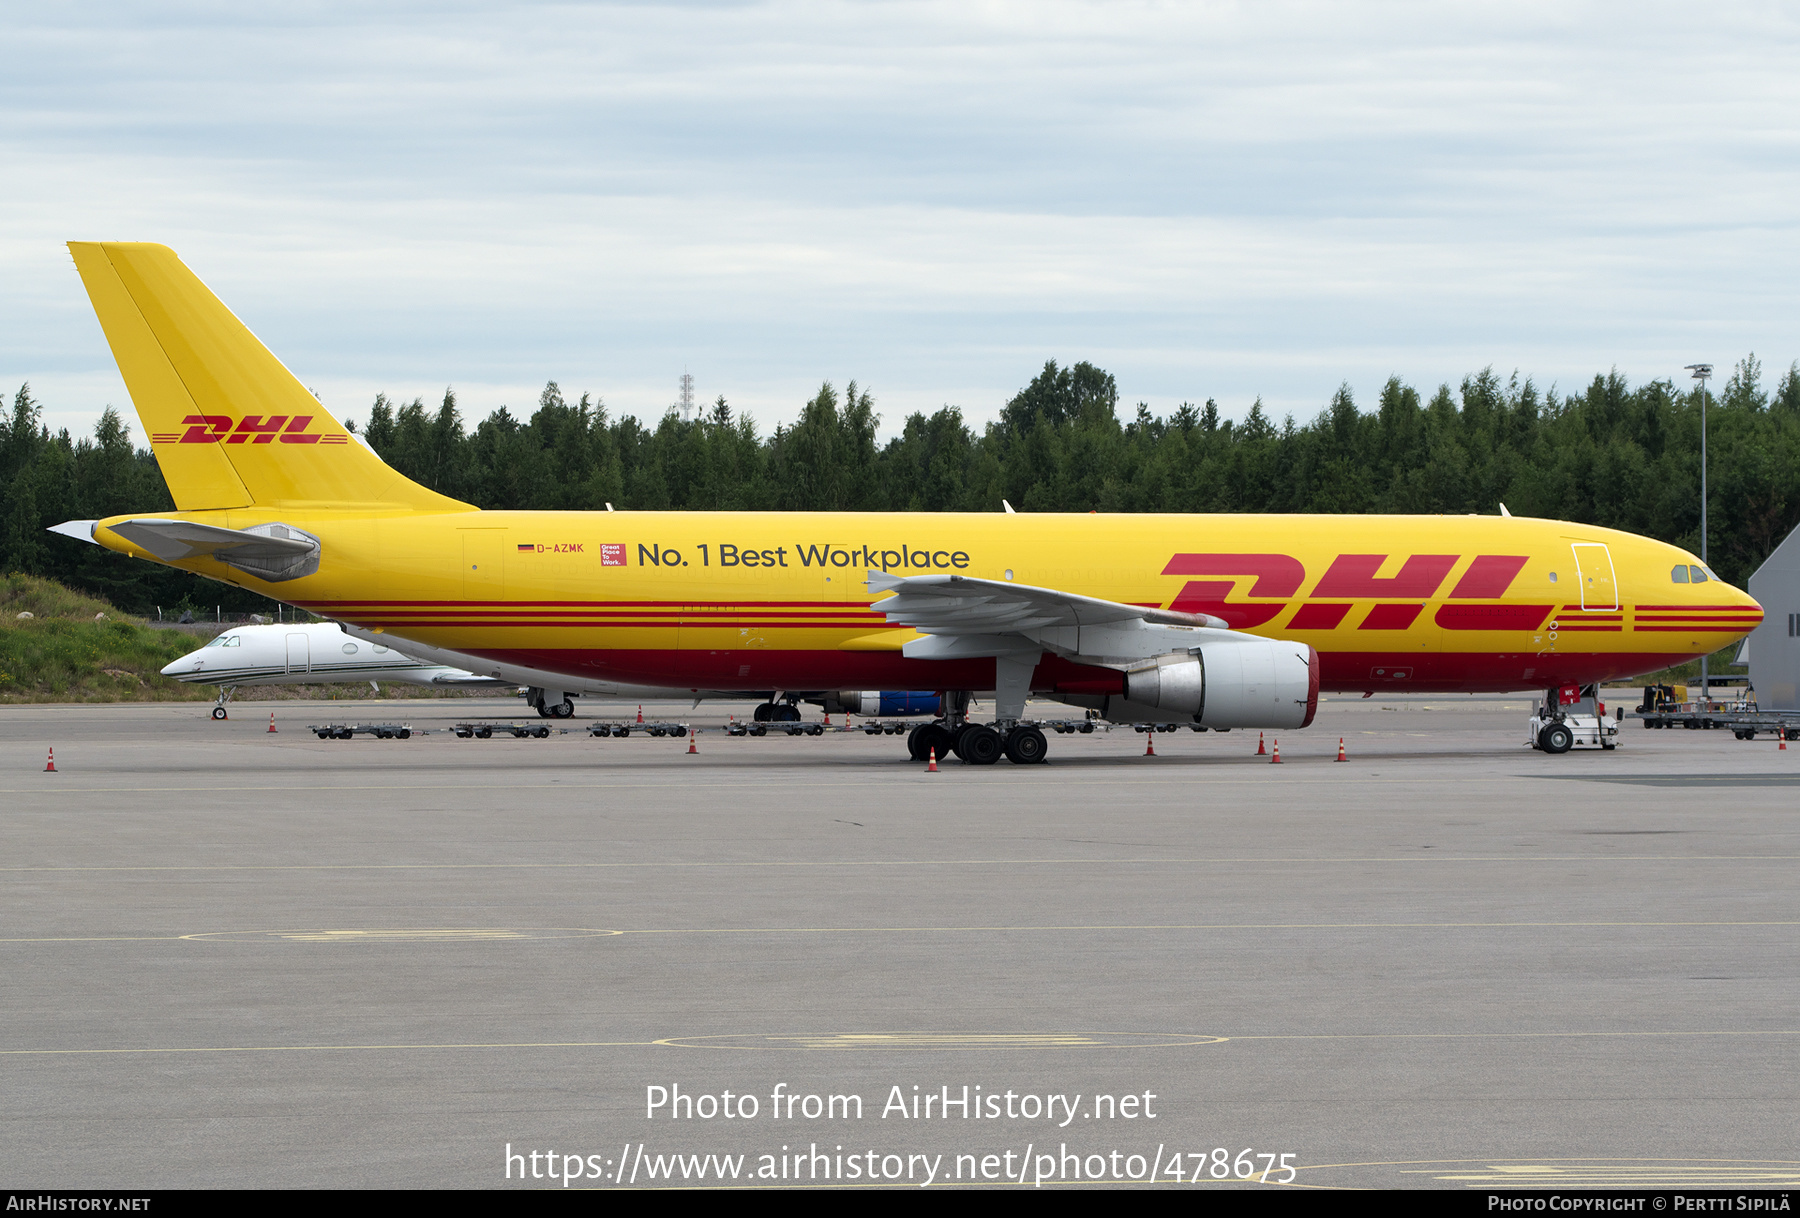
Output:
x,y
1745,600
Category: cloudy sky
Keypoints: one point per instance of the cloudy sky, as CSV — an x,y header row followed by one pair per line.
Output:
x,y
1207,199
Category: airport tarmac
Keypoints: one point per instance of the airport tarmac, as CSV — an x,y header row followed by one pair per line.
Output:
x,y
236,959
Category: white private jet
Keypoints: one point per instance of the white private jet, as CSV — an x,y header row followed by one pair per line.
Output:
x,y
326,652
308,655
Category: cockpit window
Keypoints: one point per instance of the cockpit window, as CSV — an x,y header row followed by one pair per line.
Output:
x,y
1679,574
1697,575
226,640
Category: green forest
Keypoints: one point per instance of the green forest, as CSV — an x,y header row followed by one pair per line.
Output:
x,y
1612,454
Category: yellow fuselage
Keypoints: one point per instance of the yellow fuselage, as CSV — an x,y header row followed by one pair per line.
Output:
x,y
777,600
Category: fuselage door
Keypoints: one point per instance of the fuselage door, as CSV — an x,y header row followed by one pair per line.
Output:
x,y
299,654
483,551
1599,588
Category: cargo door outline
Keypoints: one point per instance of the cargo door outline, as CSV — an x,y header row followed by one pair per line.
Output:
x,y
299,653
1599,582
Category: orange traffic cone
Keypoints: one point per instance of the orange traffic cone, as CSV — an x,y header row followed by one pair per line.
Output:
x,y
1261,750
827,718
1782,736
931,764
640,712
1276,758
271,723
1340,755
1150,743
50,765
693,739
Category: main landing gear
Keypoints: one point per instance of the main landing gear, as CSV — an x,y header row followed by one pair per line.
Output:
x,y
976,743
777,712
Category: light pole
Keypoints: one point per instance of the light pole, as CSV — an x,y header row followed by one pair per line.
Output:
x,y
1701,372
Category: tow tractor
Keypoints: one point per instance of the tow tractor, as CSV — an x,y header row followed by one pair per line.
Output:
x,y
1572,716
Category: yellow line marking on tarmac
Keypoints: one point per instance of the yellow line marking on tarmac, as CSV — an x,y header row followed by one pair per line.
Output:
x,y
1198,1041
1162,860
959,1041
309,784
571,1044
413,935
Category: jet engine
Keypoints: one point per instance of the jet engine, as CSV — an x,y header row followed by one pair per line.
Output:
x,y
1263,683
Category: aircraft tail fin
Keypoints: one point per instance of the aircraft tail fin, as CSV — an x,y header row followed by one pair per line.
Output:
x,y
230,426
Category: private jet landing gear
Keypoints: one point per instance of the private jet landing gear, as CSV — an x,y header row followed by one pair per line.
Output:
x,y
225,692
547,707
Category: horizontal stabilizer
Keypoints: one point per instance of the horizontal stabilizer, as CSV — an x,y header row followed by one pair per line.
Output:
x,y
80,530
272,552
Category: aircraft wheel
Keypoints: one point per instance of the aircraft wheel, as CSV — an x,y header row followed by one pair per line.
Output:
x,y
563,710
1026,746
218,712
915,742
935,736
785,713
762,712
543,711
979,745
1557,738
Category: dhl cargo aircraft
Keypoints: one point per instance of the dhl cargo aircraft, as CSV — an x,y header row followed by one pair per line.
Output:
x,y
1214,621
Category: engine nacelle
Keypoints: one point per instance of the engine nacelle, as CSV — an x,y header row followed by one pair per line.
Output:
x,y
1254,683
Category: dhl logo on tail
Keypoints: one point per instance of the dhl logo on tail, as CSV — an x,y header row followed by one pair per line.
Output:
x,y
254,429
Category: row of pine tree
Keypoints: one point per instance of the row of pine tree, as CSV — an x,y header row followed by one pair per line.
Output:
x,y
1615,455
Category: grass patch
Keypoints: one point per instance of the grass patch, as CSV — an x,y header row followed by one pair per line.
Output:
x,y
79,648
51,659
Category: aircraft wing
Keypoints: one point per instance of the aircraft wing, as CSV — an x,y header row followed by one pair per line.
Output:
x,y
965,617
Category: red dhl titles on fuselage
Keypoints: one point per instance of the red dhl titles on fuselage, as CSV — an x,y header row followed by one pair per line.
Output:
x,y
1527,605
